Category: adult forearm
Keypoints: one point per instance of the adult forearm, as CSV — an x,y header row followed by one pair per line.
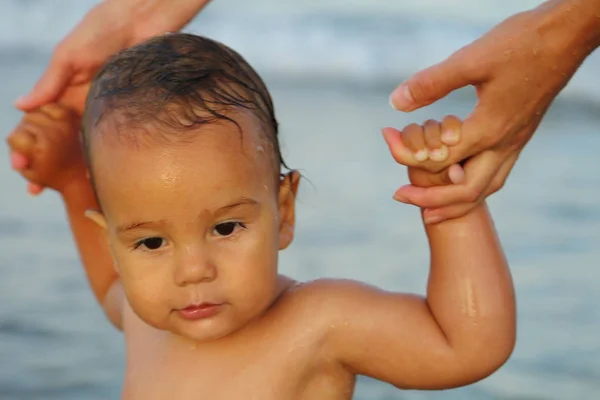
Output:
x,y
153,17
572,23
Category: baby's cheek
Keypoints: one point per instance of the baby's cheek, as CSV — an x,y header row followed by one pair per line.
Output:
x,y
145,291
149,305
249,272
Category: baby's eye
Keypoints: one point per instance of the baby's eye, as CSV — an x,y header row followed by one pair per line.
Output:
x,y
152,243
228,228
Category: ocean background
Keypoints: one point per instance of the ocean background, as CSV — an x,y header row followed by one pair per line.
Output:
x,y
331,65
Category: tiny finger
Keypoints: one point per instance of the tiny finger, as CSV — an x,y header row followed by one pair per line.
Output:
x,y
413,138
401,154
438,151
22,143
451,129
54,111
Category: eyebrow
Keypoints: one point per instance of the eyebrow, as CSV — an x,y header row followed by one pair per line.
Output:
x,y
137,224
242,201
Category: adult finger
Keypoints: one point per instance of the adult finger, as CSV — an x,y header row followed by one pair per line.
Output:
x,y
454,174
50,86
479,172
479,132
435,215
34,189
18,161
434,83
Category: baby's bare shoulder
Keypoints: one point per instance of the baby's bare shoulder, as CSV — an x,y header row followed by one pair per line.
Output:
x,y
320,303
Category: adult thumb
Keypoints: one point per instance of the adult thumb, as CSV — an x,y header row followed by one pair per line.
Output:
x,y
430,84
48,88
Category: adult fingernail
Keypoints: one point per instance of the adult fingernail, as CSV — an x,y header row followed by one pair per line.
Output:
x,y
401,198
422,155
401,99
450,137
456,173
18,101
398,196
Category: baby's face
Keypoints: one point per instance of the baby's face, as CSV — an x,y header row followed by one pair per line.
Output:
x,y
195,227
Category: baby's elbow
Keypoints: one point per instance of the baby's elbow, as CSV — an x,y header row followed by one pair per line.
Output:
x,y
484,359
502,352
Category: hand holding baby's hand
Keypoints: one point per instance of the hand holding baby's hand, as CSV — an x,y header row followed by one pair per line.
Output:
x,y
429,144
49,139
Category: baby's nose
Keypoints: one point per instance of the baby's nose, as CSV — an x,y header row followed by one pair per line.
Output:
x,y
194,267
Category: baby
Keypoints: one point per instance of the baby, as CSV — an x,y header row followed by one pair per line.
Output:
x,y
179,207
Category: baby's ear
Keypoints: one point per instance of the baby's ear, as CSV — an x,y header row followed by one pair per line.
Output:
x,y
288,188
97,217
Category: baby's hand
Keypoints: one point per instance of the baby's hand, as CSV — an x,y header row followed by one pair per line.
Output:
x,y
49,139
429,143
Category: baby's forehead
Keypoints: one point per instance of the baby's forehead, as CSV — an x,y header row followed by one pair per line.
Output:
x,y
240,144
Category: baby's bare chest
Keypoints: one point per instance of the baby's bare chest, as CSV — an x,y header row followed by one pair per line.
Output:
x,y
259,369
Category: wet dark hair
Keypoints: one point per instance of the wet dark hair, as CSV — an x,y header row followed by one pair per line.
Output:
x,y
181,81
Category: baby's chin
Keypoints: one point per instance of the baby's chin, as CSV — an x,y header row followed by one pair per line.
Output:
x,y
200,336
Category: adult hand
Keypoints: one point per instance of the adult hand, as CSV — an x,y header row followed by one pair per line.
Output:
x,y
106,29
103,31
518,68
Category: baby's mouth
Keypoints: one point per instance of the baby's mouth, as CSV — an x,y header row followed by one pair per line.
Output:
x,y
195,312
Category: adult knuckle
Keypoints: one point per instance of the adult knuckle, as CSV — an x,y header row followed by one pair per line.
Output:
x,y
471,194
471,66
497,185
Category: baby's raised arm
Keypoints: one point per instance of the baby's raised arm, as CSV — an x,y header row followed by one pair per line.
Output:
x,y
459,333
49,138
